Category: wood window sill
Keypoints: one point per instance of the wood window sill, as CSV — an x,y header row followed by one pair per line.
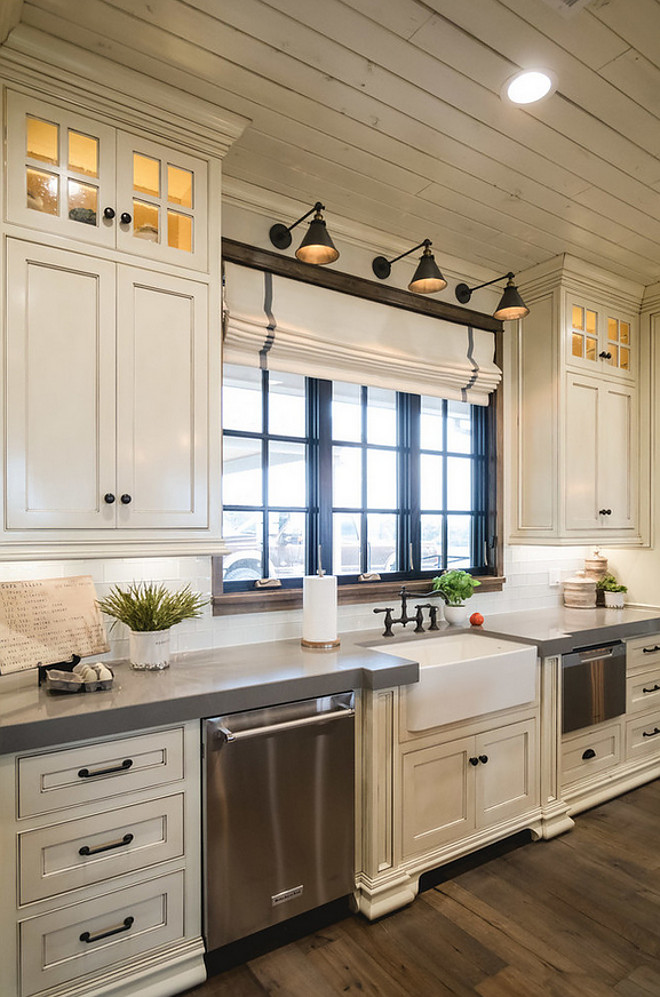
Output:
x,y
260,601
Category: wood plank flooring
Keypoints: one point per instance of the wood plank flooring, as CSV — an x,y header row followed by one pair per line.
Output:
x,y
578,916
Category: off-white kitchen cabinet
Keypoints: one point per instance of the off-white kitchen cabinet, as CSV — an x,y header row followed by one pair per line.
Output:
x,y
579,404
106,393
70,175
111,251
101,867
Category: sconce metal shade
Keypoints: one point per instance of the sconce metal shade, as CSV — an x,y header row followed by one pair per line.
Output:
x,y
511,305
317,246
427,278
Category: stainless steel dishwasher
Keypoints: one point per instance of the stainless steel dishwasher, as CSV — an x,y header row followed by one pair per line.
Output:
x,y
593,685
279,821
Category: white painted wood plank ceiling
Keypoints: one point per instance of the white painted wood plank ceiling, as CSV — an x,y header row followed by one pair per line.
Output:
x,y
389,111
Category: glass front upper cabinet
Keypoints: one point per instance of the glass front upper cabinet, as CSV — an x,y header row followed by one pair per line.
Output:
x,y
70,175
599,339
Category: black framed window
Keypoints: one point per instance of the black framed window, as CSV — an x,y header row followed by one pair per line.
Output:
x,y
369,480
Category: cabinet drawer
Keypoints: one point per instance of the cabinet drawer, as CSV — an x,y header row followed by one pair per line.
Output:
x,y
74,776
643,652
643,691
643,736
113,843
604,742
121,925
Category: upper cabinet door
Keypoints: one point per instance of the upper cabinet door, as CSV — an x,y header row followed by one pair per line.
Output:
x,y
600,339
60,389
162,203
60,171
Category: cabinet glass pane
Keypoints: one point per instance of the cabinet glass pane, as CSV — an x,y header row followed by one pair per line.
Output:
x,y
286,473
381,542
624,358
241,472
381,479
431,472
286,404
286,544
241,398
624,333
576,348
431,542
346,412
578,317
179,231
612,330
179,186
146,175
614,359
242,532
346,477
83,204
592,319
42,141
591,348
145,221
346,543
83,154
43,191
458,541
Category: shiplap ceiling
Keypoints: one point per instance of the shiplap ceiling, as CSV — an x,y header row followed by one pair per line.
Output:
x,y
390,112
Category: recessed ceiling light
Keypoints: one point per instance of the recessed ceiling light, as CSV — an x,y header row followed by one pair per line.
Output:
x,y
529,86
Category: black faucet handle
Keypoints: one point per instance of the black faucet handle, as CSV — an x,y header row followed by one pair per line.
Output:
x,y
433,614
387,632
419,619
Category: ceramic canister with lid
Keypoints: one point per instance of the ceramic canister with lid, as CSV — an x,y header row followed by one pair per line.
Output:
x,y
580,591
595,567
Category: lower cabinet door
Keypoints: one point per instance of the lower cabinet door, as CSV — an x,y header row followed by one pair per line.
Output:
x,y
507,781
438,804
87,937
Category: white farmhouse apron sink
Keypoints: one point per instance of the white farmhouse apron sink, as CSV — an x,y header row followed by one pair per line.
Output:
x,y
465,675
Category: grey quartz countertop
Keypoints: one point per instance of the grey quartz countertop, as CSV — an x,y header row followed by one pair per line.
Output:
x,y
227,680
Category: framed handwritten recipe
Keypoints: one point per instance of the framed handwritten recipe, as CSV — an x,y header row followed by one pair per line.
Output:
x,y
48,620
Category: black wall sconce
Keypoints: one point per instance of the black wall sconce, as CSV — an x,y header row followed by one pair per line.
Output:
x,y
427,278
511,305
316,247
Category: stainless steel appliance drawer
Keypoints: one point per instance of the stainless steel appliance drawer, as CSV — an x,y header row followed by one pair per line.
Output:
x,y
593,685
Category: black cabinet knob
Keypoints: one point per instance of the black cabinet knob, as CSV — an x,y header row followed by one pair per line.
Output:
x,y
606,355
474,761
109,498
108,212
604,512
483,759
125,499
125,218
589,753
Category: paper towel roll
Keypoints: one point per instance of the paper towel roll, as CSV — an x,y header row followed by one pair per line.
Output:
x,y
319,627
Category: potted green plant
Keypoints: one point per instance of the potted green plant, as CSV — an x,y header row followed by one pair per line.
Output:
x,y
612,590
149,611
455,587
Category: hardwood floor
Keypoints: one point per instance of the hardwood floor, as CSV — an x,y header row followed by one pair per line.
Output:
x,y
578,916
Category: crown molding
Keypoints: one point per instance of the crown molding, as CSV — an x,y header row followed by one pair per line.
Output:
x,y
572,273
71,75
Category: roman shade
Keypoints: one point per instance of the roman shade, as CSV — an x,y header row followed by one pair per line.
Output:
x,y
281,324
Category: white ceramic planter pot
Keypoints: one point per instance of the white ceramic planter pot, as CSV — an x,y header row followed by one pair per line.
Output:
x,y
149,649
614,600
456,614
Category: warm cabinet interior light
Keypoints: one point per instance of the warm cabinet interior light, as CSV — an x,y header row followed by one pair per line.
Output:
x,y
316,247
528,86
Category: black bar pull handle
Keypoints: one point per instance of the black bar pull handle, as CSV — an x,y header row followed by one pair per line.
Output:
x,y
95,849
655,688
653,733
589,753
127,923
91,774
650,650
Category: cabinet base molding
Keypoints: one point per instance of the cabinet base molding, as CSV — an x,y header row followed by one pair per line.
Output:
x,y
162,973
553,822
611,784
376,897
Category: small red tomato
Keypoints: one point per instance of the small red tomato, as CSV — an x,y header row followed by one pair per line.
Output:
x,y
476,619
